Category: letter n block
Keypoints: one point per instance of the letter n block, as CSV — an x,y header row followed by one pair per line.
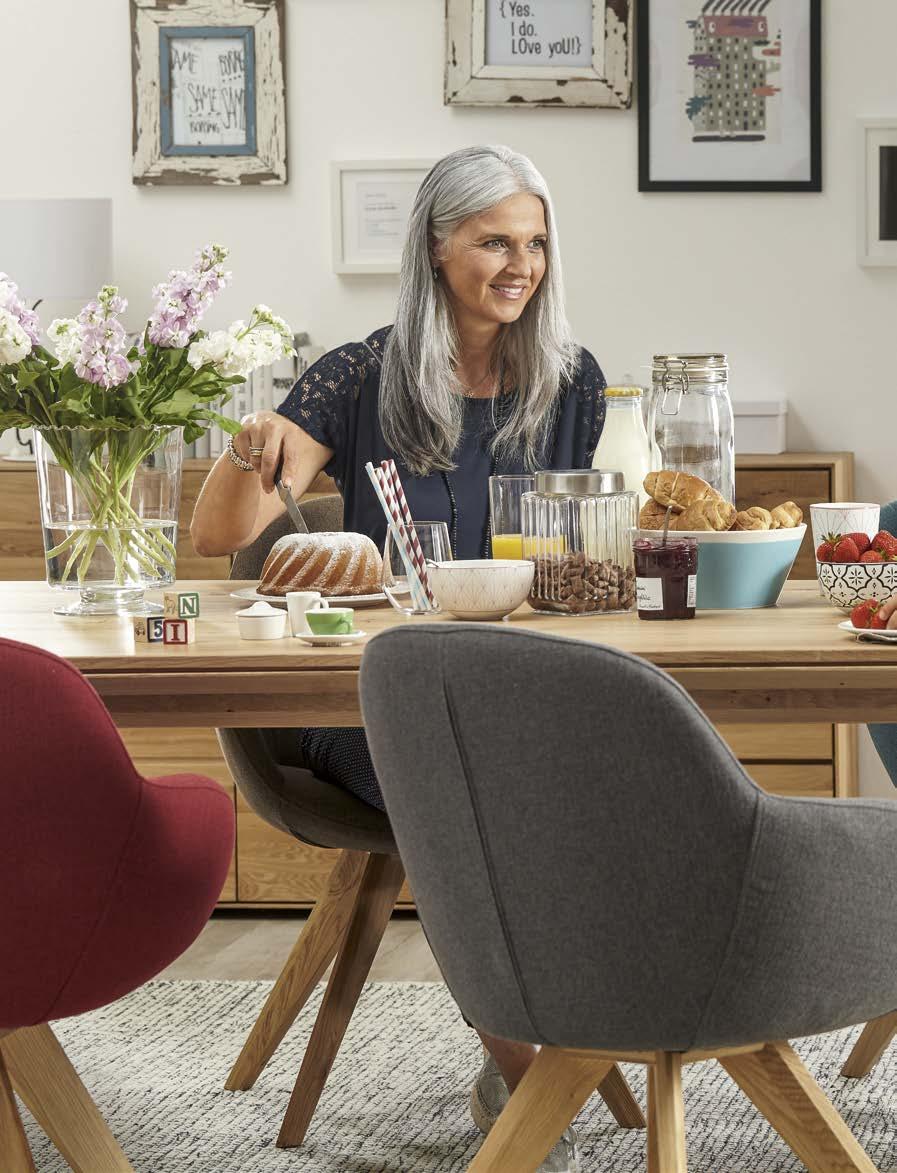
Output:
x,y
148,629
181,604
178,631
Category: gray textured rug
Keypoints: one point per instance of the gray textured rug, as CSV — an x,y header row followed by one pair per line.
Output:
x,y
397,1097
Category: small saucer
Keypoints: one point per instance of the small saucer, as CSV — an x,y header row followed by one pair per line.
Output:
x,y
332,641
874,634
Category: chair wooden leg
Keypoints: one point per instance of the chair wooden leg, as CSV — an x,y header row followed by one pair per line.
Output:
x,y
617,1094
15,1155
666,1115
383,877
555,1087
316,948
779,1085
870,1046
48,1084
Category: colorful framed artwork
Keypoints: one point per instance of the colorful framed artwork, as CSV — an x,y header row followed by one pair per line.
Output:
x,y
208,92
877,192
730,95
538,53
371,203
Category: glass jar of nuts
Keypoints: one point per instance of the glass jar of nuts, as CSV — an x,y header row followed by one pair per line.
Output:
x,y
576,529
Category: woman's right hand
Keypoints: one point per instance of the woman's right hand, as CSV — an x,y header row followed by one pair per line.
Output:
x,y
888,612
265,437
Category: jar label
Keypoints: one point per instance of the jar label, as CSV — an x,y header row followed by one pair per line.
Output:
x,y
692,590
649,594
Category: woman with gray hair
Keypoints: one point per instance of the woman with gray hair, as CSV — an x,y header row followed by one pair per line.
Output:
x,y
479,375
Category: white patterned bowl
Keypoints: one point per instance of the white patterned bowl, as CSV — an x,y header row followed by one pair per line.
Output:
x,y
845,584
481,588
843,517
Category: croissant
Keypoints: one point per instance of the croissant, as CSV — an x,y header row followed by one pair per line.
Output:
x,y
679,489
787,516
652,515
754,518
708,514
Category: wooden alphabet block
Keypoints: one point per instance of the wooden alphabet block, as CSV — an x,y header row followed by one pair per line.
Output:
x,y
179,631
148,629
181,604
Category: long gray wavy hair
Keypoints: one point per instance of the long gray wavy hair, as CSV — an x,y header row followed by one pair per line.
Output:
x,y
421,405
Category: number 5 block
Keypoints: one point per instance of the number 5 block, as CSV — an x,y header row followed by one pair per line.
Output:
x,y
148,629
181,604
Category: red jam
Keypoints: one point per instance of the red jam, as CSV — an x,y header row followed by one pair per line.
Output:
x,y
666,576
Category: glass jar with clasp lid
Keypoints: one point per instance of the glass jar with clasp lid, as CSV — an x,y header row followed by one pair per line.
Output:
x,y
576,528
690,422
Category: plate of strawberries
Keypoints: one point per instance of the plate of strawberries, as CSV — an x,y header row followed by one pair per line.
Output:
x,y
854,568
867,620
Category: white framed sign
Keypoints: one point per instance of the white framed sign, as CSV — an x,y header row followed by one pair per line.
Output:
x,y
371,204
539,52
209,99
877,192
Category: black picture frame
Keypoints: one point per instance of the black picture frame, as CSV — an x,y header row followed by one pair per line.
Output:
x,y
647,184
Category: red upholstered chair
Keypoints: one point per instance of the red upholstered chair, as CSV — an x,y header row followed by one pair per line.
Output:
x,y
105,878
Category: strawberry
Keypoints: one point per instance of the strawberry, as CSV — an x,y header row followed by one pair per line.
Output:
x,y
871,556
824,552
885,543
863,613
861,541
845,551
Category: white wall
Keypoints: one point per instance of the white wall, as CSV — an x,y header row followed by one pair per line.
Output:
x,y
771,279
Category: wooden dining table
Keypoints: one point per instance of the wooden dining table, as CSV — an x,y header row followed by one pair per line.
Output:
x,y
788,663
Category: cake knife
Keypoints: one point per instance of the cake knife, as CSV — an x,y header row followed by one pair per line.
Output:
x,y
289,501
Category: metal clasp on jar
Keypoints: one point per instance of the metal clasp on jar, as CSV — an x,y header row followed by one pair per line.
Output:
x,y
675,378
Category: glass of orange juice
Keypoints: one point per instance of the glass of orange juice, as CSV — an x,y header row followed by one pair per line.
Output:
x,y
504,510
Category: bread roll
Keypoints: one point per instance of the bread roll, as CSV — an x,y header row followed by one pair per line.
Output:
x,y
652,515
787,516
679,489
708,514
754,518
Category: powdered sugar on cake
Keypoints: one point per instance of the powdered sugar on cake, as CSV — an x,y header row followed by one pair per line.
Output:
x,y
332,563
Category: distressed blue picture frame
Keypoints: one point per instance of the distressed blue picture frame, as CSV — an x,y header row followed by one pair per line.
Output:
x,y
167,36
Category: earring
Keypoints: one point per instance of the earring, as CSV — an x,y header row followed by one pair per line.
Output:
x,y
435,273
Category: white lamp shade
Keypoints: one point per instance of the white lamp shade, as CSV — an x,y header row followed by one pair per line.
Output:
x,y
58,250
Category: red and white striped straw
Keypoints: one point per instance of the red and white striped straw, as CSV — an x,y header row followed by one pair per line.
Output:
x,y
386,487
405,522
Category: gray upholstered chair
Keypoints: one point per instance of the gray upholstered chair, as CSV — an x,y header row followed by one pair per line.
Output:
x,y
350,918
598,875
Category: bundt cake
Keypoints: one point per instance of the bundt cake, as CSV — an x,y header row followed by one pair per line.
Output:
x,y
332,563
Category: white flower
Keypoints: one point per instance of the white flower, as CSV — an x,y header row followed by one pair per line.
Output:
x,y
14,342
240,350
65,334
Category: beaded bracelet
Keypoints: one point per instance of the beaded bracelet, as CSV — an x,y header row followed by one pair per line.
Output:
x,y
236,458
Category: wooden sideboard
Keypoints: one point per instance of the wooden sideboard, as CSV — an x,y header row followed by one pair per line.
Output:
x,y
270,869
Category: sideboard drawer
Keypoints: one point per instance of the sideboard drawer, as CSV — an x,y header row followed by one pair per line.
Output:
x,y
779,743
804,780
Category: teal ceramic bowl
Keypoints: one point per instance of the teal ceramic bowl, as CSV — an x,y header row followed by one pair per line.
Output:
x,y
745,569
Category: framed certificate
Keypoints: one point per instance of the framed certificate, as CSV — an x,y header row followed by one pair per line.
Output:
x,y
877,192
372,201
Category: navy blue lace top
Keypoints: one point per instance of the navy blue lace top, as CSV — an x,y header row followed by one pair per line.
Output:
x,y
337,403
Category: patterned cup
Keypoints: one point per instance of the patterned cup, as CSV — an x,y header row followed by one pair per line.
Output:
x,y
840,517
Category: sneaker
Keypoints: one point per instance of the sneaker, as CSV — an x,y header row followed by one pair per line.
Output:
x,y
487,1100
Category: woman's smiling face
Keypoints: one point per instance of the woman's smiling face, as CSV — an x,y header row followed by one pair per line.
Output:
x,y
492,263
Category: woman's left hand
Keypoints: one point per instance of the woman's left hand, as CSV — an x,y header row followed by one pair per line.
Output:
x,y
888,611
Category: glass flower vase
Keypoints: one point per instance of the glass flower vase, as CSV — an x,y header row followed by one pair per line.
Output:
x,y
109,513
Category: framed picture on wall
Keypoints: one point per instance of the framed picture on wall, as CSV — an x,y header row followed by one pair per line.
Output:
x,y
371,202
208,92
538,52
877,192
730,95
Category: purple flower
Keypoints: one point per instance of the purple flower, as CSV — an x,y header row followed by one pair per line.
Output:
x,y
103,341
182,300
10,300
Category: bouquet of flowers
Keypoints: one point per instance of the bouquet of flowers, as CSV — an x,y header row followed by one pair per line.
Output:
x,y
103,406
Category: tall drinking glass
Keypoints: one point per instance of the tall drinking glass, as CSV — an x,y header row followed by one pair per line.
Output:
x,y
436,546
504,509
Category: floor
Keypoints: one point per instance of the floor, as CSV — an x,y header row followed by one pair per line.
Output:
x,y
238,946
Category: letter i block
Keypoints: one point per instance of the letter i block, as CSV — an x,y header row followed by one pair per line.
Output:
x,y
180,604
148,629
179,631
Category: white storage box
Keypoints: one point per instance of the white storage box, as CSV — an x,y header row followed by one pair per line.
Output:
x,y
760,425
